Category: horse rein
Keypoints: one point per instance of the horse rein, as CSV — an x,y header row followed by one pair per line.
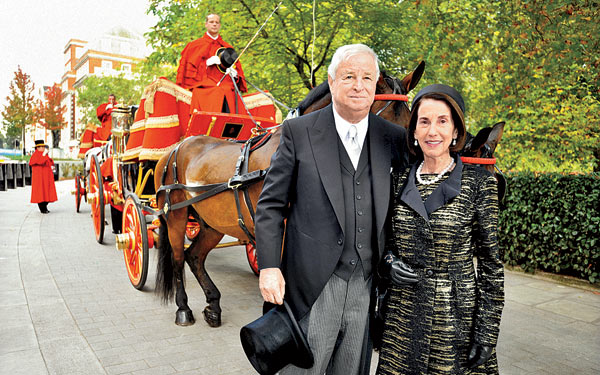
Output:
x,y
391,97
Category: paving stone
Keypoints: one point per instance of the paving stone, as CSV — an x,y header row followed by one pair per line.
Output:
x,y
80,292
126,367
23,362
572,309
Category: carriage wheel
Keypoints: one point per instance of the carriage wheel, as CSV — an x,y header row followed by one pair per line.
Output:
x,y
136,251
251,255
79,192
97,201
85,188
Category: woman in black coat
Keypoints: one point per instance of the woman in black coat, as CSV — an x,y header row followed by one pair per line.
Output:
x,y
442,316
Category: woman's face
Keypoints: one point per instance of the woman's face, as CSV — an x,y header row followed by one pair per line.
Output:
x,y
40,148
435,128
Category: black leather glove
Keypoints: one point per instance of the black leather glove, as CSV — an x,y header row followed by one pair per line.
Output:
x,y
397,271
479,354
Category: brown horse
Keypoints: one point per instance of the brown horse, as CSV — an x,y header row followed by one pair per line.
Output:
x,y
205,160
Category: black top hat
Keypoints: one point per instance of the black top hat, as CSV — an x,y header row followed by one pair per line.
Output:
x,y
227,57
40,142
275,340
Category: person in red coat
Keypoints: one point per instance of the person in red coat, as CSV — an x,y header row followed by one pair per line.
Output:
x,y
104,116
43,190
200,69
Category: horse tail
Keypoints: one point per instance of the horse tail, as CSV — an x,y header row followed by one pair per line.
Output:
x,y
165,275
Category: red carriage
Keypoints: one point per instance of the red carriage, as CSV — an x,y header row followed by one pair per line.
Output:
x,y
120,173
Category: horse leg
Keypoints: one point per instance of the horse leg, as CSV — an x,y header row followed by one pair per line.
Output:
x,y
195,257
170,272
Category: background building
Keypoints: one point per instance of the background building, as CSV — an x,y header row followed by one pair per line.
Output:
x,y
118,51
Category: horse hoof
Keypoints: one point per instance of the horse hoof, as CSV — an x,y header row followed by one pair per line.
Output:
x,y
184,318
212,318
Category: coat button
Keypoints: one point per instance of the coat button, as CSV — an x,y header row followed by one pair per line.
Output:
x,y
358,182
360,229
359,197
429,273
359,246
353,262
340,241
360,213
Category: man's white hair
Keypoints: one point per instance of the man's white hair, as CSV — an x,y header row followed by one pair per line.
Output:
x,y
345,52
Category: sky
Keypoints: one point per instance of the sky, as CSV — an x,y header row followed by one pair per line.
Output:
x,y
34,33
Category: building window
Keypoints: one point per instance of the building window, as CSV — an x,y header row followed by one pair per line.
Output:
x,y
126,68
106,65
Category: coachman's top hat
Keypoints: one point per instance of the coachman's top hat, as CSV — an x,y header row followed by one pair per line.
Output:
x,y
227,57
275,340
40,142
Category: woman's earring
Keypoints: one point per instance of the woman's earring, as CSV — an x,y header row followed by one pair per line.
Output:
x,y
453,141
416,142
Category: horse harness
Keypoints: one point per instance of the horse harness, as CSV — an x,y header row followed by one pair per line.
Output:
x,y
241,180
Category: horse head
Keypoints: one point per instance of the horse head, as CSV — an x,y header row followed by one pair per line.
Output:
x,y
481,147
399,112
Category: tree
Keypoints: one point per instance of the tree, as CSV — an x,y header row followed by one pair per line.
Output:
x,y
49,114
19,113
533,64
95,90
289,56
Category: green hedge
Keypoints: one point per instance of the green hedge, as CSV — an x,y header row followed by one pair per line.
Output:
x,y
551,222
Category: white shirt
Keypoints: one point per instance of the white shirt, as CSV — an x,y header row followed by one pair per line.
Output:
x,y
213,37
342,126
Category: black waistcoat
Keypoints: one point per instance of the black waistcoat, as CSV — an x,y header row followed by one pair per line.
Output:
x,y
358,203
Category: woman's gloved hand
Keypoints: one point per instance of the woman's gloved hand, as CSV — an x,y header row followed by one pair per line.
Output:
x,y
397,271
479,354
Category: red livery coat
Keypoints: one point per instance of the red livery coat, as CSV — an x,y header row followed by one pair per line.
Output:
x,y
104,116
42,178
193,74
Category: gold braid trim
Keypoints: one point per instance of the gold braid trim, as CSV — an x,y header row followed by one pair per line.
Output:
x,y
167,87
154,153
162,122
257,100
137,126
132,154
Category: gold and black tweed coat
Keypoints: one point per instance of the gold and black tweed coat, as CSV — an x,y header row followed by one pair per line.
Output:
x,y
438,230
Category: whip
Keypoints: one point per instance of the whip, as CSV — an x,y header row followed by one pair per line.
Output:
x,y
252,40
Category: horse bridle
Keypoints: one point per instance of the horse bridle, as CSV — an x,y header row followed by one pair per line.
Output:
x,y
394,96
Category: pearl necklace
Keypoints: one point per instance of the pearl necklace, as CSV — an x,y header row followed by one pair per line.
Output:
x,y
436,179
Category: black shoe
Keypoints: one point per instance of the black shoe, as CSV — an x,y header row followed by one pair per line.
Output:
x,y
46,212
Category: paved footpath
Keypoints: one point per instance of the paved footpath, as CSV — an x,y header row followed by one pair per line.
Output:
x,y
67,307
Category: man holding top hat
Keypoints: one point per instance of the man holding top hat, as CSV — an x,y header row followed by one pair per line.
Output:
x,y
327,193
43,190
203,63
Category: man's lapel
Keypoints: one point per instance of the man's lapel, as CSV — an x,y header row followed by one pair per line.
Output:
x,y
323,139
380,156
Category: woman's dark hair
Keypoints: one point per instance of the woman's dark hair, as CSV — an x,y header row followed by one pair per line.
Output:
x,y
457,120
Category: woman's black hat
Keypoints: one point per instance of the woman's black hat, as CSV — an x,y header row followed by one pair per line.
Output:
x,y
40,142
275,340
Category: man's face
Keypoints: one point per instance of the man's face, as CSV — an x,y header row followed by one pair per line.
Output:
x,y
353,89
213,24
111,99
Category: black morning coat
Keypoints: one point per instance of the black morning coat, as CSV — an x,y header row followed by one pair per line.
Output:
x,y
304,186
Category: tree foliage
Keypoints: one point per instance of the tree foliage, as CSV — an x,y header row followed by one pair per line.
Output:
x,y
50,113
19,113
533,64
95,90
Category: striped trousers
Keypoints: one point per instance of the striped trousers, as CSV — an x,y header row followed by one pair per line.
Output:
x,y
336,327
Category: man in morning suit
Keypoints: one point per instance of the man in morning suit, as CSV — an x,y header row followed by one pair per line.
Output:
x,y
330,178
